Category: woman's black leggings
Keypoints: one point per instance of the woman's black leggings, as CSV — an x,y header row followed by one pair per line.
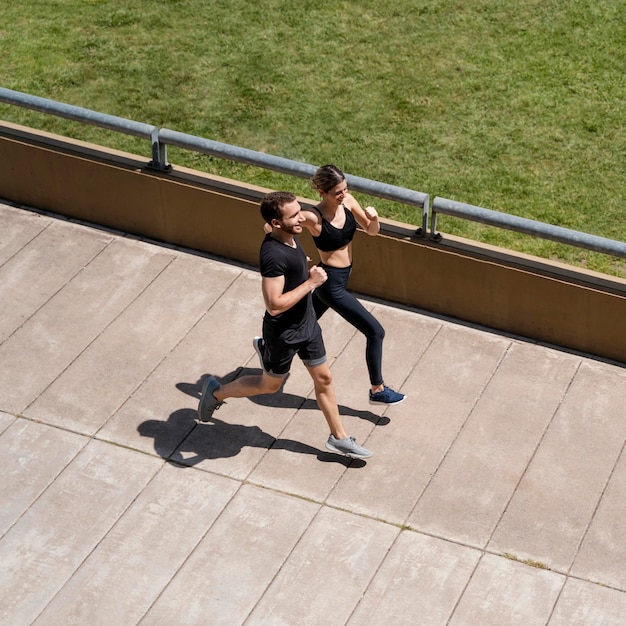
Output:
x,y
333,294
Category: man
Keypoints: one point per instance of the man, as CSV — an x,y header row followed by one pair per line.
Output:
x,y
289,325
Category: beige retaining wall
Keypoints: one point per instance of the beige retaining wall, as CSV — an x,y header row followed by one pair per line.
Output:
x,y
514,293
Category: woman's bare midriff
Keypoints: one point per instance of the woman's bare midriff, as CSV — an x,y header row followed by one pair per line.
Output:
x,y
337,258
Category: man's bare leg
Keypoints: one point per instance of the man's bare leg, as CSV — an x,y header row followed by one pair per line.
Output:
x,y
326,398
214,394
247,386
327,401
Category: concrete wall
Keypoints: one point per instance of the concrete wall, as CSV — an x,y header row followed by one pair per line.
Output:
x,y
514,293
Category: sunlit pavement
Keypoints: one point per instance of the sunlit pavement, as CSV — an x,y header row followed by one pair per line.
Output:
x,y
495,494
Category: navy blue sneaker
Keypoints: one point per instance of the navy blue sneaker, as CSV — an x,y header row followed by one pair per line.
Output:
x,y
208,403
387,396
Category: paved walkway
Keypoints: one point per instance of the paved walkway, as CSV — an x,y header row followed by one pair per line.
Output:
x,y
495,494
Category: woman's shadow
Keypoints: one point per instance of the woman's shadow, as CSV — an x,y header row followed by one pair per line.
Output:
x,y
182,440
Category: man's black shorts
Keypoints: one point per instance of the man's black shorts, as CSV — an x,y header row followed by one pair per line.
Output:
x,y
279,352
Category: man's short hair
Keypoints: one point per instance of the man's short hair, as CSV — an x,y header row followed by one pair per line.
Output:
x,y
273,202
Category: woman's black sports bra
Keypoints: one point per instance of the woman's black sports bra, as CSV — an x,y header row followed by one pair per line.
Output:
x,y
332,238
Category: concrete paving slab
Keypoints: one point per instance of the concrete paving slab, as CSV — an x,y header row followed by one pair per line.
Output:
x,y
161,412
602,555
231,449
442,388
42,348
585,604
275,551
502,591
127,351
419,582
33,455
40,552
18,228
467,497
6,419
553,505
31,276
328,571
299,462
135,561
231,568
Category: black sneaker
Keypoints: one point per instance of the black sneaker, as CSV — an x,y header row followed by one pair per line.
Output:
x,y
208,404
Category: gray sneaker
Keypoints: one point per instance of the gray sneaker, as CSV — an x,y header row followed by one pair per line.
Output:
x,y
347,446
259,346
208,403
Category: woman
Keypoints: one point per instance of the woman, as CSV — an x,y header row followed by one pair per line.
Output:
x,y
332,224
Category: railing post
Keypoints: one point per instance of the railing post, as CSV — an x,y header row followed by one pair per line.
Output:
x,y
159,153
434,235
423,229
93,118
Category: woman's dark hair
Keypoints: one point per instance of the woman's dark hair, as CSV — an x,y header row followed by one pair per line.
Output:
x,y
327,177
272,203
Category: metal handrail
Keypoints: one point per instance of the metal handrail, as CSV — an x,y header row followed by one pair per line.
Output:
x,y
295,168
161,138
93,118
524,225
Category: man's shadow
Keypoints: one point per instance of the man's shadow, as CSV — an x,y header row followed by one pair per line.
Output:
x,y
182,440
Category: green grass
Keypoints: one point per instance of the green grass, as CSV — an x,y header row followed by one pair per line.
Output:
x,y
514,106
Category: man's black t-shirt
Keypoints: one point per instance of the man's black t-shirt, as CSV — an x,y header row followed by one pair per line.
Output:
x,y
295,325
